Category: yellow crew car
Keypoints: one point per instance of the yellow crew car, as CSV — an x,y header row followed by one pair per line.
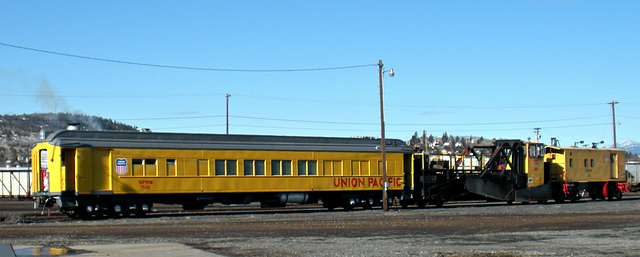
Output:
x,y
95,173
600,172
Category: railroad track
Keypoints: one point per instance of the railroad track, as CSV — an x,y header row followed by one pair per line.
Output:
x,y
13,211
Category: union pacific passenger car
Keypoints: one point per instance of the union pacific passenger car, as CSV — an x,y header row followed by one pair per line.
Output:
x,y
95,173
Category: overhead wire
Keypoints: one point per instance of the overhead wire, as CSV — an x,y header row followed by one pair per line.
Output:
x,y
298,70
183,67
390,130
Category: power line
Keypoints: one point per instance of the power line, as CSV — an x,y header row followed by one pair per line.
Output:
x,y
375,130
183,67
174,118
115,96
420,124
364,123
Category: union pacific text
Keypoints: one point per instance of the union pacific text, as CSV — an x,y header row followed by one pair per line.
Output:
x,y
365,182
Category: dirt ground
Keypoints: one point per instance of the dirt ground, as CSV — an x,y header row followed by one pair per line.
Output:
x,y
586,228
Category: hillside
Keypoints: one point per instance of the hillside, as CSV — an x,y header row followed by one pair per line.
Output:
x,y
630,146
18,133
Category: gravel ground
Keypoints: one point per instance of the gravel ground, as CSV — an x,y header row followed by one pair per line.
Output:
x,y
588,228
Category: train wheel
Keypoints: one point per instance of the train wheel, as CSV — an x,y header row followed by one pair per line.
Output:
x,y
329,205
575,197
619,195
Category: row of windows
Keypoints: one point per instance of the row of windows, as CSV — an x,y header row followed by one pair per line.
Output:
x,y
148,167
587,163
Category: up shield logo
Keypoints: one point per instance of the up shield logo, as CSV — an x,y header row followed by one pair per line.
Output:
x,y
121,166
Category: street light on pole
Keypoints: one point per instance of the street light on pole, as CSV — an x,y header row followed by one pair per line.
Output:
x,y
385,197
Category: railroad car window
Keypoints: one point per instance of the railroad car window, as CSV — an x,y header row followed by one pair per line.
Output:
x,y
171,167
280,167
248,168
302,168
313,168
253,167
138,167
275,167
220,168
286,167
63,162
585,163
259,167
226,167
150,167
44,171
307,168
591,163
536,150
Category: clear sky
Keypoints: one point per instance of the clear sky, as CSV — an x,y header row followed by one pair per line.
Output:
x,y
496,69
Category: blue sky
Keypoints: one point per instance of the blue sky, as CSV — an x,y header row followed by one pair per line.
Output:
x,y
496,69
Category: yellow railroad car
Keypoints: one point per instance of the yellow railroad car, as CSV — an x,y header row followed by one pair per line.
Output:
x,y
90,173
600,172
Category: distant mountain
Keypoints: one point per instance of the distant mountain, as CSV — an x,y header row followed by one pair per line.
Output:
x,y
629,146
18,133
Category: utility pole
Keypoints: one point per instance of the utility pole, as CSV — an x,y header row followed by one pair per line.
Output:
x,y
228,95
613,116
537,131
385,182
385,205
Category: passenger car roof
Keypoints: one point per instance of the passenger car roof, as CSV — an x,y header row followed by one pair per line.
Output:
x,y
152,140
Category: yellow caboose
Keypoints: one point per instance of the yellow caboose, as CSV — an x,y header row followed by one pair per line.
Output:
x,y
120,173
600,172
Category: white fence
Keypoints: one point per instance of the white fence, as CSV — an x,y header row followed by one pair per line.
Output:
x,y
15,182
